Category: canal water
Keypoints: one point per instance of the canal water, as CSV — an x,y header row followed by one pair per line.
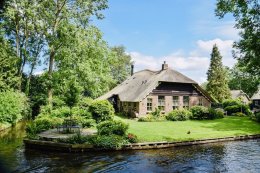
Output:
x,y
237,156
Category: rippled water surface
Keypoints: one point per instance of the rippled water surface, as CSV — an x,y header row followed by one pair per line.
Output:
x,y
238,156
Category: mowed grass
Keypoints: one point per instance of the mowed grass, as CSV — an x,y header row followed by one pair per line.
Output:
x,y
178,130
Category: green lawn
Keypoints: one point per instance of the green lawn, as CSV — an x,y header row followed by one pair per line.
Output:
x,y
177,131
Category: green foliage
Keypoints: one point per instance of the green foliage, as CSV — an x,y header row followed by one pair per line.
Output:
x,y
156,113
112,127
217,85
108,142
13,107
239,79
8,66
76,139
102,110
215,113
246,14
85,102
132,138
257,117
61,112
41,124
238,114
121,66
234,106
231,102
199,112
81,112
84,122
179,115
147,118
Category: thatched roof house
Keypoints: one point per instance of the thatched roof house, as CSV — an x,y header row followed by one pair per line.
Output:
x,y
166,89
239,94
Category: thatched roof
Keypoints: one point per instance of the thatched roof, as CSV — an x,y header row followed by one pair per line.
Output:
x,y
136,87
256,96
238,93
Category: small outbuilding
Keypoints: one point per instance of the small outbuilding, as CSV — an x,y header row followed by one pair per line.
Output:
x,y
165,89
239,94
256,99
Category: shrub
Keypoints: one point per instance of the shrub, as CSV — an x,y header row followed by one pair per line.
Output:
x,y
13,106
257,117
42,124
147,118
179,115
238,108
61,112
84,122
85,102
81,112
230,102
232,109
108,142
156,113
199,112
112,127
102,110
238,114
76,139
132,138
215,113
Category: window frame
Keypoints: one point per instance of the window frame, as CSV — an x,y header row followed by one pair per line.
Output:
x,y
185,101
149,107
161,103
175,103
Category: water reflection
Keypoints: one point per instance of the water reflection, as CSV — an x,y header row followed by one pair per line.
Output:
x,y
242,156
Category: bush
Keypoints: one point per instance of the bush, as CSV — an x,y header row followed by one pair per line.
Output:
x,y
108,142
238,114
84,122
179,115
78,111
41,124
132,138
13,107
199,112
147,118
215,113
230,102
112,127
238,108
85,102
76,139
102,110
257,117
61,112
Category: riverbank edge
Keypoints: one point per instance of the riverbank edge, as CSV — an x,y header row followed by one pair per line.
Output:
x,y
55,146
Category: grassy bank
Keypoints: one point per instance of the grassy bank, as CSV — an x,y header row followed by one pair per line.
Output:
x,y
178,130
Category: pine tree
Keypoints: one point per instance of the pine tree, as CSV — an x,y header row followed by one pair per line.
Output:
x,y
217,85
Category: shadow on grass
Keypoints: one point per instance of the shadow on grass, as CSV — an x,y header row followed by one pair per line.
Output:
x,y
233,124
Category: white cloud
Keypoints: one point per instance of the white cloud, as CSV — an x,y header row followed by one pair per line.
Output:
x,y
194,66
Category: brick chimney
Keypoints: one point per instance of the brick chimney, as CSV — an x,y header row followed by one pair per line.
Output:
x,y
164,66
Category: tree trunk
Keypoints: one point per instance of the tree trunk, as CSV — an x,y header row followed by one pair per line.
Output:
x,y
51,63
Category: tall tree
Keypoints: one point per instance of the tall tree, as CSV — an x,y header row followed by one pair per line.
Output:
x,y
58,18
8,63
217,85
240,79
247,16
122,65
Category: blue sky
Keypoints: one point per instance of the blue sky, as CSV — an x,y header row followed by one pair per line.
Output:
x,y
181,32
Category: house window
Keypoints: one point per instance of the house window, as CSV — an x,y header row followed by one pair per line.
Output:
x,y
200,102
149,104
186,101
175,102
161,103
256,102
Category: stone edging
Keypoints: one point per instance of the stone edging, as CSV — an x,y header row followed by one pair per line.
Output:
x,y
49,145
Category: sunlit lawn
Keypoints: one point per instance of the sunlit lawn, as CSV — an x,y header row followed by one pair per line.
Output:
x,y
177,131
